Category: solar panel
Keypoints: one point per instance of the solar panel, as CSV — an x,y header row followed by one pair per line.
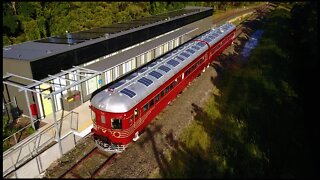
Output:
x,y
117,84
166,56
173,62
185,54
143,70
132,76
191,51
164,68
195,47
201,44
145,81
155,74
215,34
207,39
153,64
180,58
128,92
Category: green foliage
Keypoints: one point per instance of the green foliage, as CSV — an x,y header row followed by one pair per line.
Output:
x,y
24,21
256,127
5,41
31,30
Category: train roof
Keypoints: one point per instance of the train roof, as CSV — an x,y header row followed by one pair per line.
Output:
x,y
123,95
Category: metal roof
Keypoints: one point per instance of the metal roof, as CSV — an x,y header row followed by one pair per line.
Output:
x,y
34,50
113,100
117,59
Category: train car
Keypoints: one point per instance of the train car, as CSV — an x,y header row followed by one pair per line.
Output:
x,y
121,110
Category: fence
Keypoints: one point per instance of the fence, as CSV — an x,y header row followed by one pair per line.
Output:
x,y
32,146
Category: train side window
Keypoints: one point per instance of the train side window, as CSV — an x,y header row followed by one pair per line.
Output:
x,y
116,123
171,86
157,97
103,119
136,113
145,107
151,103
167,89
162,93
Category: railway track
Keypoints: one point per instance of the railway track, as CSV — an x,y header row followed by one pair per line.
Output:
x,y
81,168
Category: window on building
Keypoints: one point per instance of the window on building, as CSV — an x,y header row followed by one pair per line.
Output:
x,y
116,123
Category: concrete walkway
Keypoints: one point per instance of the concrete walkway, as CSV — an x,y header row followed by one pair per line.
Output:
x,y
25,159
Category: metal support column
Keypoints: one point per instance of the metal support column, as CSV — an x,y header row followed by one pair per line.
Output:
x,y
80,89
56,124
28,104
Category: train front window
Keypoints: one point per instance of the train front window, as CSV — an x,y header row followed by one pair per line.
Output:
x,y
116,123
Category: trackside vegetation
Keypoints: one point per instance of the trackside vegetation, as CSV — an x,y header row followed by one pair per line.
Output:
x,y
258,125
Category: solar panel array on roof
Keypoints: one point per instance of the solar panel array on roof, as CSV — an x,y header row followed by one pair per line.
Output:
x,y
128,92
180,58
201,44
132,76
145,81
153,64
155,74
195,47
143,70
173,62
191,51
207,39
185,54
164,68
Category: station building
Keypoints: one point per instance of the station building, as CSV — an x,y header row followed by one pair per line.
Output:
x,y
112,50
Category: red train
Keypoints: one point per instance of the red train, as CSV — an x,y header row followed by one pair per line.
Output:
x,y
122,109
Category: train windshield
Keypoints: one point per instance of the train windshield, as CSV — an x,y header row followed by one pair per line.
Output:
x,y
116,123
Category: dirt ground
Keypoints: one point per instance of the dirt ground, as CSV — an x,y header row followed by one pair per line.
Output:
x,y
144,158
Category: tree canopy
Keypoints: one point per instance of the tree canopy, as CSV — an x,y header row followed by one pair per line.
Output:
x,y
25,21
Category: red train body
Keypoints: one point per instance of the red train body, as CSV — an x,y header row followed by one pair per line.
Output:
x,y
114,131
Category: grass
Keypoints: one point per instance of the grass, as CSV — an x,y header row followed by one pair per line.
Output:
x,y
253,125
